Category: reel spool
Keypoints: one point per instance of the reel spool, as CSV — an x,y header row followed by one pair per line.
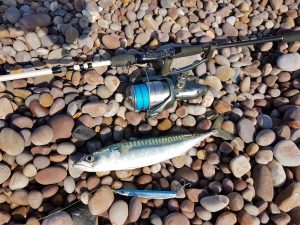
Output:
x,y
159,93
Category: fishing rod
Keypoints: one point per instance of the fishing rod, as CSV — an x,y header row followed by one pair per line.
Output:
x,y
156,93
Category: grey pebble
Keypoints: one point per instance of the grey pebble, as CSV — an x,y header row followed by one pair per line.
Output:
x,y
12,15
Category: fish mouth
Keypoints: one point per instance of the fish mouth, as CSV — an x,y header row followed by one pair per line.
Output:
x,y
82,165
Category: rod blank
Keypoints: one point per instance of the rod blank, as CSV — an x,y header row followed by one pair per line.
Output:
x,y
54,70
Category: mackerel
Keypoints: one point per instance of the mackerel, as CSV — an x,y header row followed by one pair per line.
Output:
x,y
143,152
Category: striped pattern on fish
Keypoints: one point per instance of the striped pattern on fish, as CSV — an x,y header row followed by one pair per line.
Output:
x,y
143,152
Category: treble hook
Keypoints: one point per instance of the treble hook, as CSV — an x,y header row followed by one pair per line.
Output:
x,y
185,184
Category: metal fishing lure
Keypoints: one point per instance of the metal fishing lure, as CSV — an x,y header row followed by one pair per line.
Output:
x,y
153,194
150,194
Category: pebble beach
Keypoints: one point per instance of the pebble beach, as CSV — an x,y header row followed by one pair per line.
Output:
x,y
47,123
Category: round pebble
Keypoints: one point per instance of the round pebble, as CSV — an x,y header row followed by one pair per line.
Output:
x,y
11,142
214,203
42,135
240,166
118,212
287,153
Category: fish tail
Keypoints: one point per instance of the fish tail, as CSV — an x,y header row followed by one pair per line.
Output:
x,y
222,134
218,123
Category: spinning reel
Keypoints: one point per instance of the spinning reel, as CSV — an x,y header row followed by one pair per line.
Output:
x,y
156,93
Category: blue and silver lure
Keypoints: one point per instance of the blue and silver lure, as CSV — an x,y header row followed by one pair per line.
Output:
x,y
153,194
150,194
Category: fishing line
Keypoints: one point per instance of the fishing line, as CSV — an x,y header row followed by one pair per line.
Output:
x,y
66,207
91,192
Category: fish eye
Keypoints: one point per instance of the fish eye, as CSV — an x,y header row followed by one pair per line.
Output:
x,y
89,158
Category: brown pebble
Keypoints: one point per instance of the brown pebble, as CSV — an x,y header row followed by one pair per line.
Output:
x,y
222,106
236,201
289,198
62,126
37,109
42,135
263,183
46,100
51,175
135,209
176,219
133,118
110,42
101,200
166,124
229,217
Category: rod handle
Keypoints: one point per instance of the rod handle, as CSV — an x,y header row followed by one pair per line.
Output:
x,y
123,60
291,36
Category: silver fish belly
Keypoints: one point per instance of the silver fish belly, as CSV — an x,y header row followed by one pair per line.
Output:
x,y
140,153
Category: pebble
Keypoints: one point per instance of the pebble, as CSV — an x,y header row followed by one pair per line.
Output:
x,y
263,183
227,216
103,92
281,218
287,153
176,219
213,82
11,142
112,83
12,15
289,62
92,77
51,175
245,219
264,121
135,209
35,199
187,174
222,106
224,73
58,219
277,173
240,166
265,137
30,170
46,100
37,109
41,162
246,130
42,135
236,201
110,42
133,118
142,38
94,109
6,109
32,21
101,200
33,40
4,217
214,203
289,198
4,172
264,156
256,20
71,35
62,126
118,212
18,181
66,148
22,122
